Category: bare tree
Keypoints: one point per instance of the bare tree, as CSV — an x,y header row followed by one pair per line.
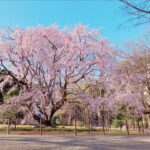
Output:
x,y
138,11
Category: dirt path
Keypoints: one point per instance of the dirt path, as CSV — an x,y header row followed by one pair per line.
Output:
x,y
18,142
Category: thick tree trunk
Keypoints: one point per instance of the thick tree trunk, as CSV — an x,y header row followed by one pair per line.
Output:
x,y
47,117
46,120
49,121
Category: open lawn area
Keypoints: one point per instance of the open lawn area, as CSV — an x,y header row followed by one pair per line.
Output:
x,y
64,130
19,142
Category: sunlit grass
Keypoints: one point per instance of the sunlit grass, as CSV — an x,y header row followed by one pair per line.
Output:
x,y
68,129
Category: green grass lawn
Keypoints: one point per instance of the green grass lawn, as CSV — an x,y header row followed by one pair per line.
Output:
x,y
58,128
67,129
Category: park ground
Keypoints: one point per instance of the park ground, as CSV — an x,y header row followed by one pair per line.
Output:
x,y
71,142
27,137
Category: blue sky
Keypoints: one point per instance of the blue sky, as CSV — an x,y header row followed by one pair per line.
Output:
x,y
105,15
